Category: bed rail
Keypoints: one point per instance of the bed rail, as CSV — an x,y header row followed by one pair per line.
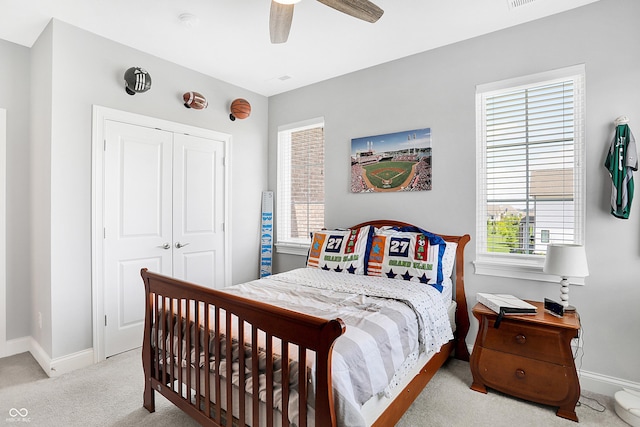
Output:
x,y
179,356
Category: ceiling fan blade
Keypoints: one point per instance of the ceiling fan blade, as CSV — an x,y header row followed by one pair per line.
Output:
x,y
280,21
361,9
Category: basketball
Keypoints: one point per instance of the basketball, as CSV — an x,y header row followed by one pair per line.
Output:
x,y
195,100
240,109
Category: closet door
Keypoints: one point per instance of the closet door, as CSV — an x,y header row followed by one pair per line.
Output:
x,y
163,210
138,225
198,210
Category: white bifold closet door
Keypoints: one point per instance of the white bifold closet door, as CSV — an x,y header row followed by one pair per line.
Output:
x,y
164,210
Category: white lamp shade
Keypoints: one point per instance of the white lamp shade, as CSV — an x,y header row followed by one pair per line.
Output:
x,y
566,261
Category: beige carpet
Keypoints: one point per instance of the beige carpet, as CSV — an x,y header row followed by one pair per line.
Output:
x,y
110,394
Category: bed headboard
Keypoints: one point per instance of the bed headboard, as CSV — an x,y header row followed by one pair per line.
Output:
x,y
462,313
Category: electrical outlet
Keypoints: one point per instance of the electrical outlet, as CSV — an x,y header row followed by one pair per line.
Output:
x,y
576,343
40,320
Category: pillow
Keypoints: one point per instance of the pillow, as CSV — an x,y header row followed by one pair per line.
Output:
x,y
408,254
448,259
340,250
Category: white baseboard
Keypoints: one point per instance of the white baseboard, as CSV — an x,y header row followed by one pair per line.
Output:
x,y
597,383
41,356
71,362
17,346
52,367
604,384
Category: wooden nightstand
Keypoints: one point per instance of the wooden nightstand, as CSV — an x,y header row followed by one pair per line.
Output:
x,y
528,356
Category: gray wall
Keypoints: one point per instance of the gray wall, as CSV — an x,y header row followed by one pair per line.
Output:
x,y
437,89
78,70
14,97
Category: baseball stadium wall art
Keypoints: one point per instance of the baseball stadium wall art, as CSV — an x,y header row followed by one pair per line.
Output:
x,y
393,162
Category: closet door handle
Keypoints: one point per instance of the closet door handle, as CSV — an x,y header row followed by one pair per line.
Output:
x,y
165,246
181,245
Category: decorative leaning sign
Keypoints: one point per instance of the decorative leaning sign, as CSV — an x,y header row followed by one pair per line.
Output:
x,y
398,161
266,234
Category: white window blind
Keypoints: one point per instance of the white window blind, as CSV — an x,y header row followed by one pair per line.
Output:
x,y
530,165
300,188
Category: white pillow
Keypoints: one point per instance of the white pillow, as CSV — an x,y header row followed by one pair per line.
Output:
x,y
448,259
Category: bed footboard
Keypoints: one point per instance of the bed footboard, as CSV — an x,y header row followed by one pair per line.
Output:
x,y
201,345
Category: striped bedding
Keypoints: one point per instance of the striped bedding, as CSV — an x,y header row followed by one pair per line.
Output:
x,y
389,324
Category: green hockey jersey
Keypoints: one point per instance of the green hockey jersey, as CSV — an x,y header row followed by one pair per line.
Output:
x,y
621,161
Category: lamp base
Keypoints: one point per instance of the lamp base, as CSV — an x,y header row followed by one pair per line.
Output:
x,y
564,296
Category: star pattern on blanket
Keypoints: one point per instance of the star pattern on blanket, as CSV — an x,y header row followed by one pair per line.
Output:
x,y
391,274
407,276
338,269
326,267
424,279
351,269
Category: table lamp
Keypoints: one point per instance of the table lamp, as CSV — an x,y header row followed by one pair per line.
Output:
x,y
566,261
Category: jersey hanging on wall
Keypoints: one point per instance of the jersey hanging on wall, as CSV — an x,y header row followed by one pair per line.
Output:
x,y
621,161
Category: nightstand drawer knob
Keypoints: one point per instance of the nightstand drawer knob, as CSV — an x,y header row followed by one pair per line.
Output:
x,y
520,373
521,339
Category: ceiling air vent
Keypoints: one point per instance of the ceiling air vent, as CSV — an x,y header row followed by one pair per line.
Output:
x,y
513,4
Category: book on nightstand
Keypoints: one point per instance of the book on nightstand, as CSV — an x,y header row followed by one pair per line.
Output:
x,y
507,303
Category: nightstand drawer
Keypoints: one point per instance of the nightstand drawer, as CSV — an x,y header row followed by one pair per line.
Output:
x,y
523,377
526,340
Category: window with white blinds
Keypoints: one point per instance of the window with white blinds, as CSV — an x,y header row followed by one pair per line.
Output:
x,y
300,188
530,166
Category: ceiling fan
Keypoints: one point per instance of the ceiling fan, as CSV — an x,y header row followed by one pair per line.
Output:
x,y
282,14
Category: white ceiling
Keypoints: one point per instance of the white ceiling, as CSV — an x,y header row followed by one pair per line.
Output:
x,y
231,39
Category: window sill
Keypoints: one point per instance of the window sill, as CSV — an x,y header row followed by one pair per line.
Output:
x,y
301,249
526,270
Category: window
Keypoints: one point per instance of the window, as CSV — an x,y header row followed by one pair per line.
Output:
x,y
300,195
531,176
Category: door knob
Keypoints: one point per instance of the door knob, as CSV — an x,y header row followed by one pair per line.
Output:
x,y
165,246
181,245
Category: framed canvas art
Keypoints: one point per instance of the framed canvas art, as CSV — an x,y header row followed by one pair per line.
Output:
x,y
392,162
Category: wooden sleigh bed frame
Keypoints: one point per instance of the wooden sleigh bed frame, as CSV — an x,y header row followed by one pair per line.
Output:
x,y
169,300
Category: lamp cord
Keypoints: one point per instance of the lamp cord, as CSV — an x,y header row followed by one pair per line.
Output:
x,y
580,350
